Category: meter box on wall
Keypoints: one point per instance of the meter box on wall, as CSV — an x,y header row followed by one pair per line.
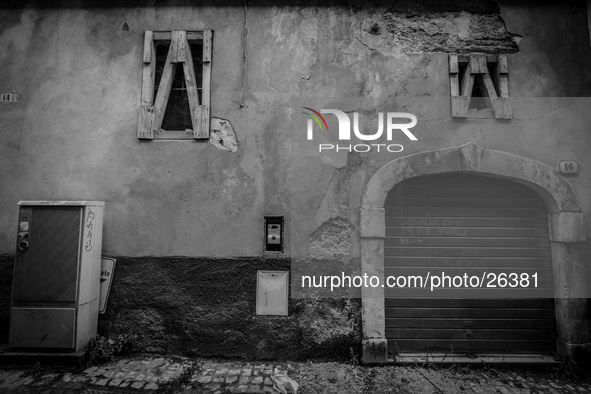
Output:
x,y
274,234
272,293
55,292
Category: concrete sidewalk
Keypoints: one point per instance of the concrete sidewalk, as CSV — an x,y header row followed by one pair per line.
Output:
x,y
142,374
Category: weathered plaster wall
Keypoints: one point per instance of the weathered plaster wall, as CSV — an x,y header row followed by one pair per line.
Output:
x,y
72,135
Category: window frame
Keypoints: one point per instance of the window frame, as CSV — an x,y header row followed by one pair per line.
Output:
x,y
153,106
491,72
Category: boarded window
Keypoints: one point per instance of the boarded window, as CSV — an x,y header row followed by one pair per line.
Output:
x,y
479,86
175,85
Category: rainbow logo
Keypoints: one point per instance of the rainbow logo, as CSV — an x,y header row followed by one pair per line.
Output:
x,y
316,117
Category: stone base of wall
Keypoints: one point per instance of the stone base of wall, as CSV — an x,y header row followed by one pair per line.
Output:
x,y
6,271
581,353
207,307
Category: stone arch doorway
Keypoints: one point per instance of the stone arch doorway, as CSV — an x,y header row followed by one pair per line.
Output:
x,y
566,230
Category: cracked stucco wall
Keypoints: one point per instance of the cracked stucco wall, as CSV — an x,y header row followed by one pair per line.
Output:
x,y
72,134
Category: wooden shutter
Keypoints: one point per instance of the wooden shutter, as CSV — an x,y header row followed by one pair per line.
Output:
x,y
145,128
152,109
201,120
465,223
494,85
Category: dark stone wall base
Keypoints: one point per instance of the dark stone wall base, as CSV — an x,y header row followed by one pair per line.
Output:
x,y
207,307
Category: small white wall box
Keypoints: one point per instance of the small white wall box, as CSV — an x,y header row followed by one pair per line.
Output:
x,y
272,293
55,291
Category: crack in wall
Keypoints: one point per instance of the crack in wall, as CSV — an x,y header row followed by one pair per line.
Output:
x,y
364,44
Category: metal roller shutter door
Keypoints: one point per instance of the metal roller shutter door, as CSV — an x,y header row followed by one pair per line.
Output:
x,y
460,223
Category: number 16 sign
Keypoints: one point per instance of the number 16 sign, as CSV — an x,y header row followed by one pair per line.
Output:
x,y
569,167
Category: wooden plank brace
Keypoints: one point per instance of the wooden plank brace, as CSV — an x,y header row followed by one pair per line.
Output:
x,y
178,46
145,126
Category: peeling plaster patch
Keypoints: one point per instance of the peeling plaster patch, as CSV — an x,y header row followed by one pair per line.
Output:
x,y
475,7
449,32
222,135
332,239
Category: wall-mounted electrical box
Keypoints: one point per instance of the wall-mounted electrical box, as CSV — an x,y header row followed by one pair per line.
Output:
x,y
272,293
55,291
274,234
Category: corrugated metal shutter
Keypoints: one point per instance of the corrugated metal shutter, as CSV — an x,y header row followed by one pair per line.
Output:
x,y
465,223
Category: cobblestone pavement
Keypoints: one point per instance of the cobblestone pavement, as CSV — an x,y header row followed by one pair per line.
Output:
x,y
125,375
144,374
238,378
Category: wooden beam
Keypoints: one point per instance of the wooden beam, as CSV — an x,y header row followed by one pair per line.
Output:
x,y
454,85
161,134
164,90
167,35
197,134
177,46
489,58
205,87
459,107
500,77
191,82
148,46
149,70
207,38
467,85
487,86
454,81
502,107
201,122
478,63
502,65
205,121
453,64
501,82
145,126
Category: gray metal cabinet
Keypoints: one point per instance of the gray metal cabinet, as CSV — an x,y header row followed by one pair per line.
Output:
x,y
55,292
